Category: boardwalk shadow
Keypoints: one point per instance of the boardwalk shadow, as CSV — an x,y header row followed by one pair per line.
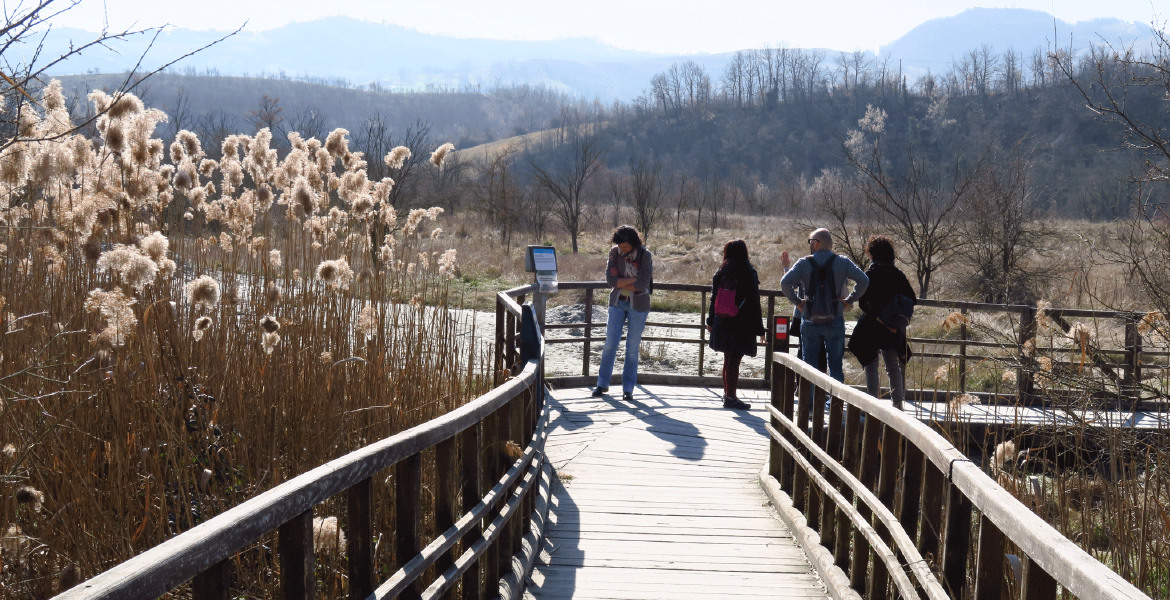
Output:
x,y
562,543
688,443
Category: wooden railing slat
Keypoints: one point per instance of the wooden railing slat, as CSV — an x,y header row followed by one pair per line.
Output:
x,y
214,583
989,561
359,539
407,493
295,545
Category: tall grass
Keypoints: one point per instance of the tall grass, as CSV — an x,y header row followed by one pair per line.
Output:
x,y
180,334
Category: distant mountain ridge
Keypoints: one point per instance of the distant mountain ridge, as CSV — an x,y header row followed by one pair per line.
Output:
x,y
935,43
397,57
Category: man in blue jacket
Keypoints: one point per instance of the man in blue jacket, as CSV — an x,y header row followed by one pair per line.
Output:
x,y
829,335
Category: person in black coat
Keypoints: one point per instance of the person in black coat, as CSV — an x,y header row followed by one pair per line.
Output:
x,y
888,304
735,336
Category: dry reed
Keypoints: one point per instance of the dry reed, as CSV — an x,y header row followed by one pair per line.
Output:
x,y
181,337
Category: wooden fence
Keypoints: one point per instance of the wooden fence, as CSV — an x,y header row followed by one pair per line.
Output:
x,y
1017,349
892,503
479,493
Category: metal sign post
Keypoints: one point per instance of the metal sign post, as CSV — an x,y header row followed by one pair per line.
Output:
x,y
542,262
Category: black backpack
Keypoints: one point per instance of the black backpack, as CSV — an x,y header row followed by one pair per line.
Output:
x,y
821,302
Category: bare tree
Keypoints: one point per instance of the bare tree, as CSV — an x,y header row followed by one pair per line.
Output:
x,y
839,200
179,113
497,194
1132,92
24,23
565,182
647,195
310,123
1006,236
917,200
213,128
417,139
267,114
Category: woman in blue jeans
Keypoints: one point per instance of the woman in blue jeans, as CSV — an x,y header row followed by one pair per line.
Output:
x,y
629,272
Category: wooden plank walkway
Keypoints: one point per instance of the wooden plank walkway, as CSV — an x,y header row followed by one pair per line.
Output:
x,y
660,498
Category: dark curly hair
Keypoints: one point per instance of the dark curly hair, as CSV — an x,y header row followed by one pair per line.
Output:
x,y
627,235
880,249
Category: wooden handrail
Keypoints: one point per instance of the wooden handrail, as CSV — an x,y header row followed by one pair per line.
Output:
x,y
1125,372
201,553
798,459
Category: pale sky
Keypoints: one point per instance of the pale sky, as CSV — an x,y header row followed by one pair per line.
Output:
x,y
665,26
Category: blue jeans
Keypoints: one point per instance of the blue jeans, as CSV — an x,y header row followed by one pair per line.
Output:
x,y
635,322
831,337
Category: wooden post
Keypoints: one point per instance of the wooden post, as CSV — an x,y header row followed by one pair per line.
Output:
x,y
957,542
818,416
446,504
800,478
491,469
588,332
776,393
407,492
787,403
1131,376
470,452
849,459
1037,584
817,406
702,330
1024,384
359,539
295,544
829,512
867,474
515,434
214,583
909,505
963,352
930,523
510,343
770,337
989,561
501,340
891,447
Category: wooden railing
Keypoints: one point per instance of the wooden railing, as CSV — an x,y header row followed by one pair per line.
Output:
x,y
771,300
489,507
1121,368
888,501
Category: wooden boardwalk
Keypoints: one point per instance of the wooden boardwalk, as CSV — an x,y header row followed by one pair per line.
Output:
x,y
660,498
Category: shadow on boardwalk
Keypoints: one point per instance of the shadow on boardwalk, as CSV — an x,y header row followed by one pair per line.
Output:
x,y
659,498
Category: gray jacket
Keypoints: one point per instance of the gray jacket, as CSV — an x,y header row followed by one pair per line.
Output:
x,y
843,270
640,299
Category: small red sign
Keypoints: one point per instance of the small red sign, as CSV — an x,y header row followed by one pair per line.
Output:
x,y
780,328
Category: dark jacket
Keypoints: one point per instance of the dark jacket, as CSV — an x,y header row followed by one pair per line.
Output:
x,y
870,335
737,334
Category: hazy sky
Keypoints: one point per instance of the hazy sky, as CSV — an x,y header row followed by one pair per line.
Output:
x,y
667,26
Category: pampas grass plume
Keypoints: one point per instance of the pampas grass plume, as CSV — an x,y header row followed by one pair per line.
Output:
x,y
328,538
203,291
397,157
269,324
440,153
27,494
202,324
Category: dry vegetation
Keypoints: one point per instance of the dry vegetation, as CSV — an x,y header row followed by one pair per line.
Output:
x,y
180,334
